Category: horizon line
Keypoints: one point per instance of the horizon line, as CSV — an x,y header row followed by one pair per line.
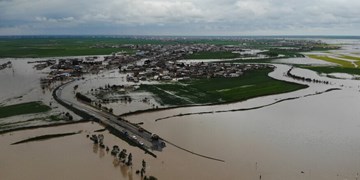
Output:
x,y
117,35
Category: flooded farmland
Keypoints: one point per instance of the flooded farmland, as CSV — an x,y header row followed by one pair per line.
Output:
x,y
307,134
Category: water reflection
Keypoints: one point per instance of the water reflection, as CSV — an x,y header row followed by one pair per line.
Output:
x,y
124,170
102,153
95,148
116,162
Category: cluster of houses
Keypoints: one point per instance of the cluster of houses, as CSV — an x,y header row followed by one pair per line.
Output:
x,y
170,70
160,61
168,52
42,64
288,44
76,67
120,60
63,69
179,51
175,51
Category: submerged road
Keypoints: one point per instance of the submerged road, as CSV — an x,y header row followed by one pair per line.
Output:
x,y
117,126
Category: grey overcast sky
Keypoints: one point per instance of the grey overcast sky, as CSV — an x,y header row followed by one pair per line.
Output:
x,y
176,17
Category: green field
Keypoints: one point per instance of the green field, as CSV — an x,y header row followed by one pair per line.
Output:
x,y
273,52
58,47
350,57
24,108
220,90
82,45
328,70
212,55
340,62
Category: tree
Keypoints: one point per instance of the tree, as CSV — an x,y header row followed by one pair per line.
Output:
x,y
152,178
122,154
129,159
143,164
142,172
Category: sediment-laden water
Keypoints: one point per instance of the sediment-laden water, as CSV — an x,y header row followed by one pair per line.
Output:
x,y
309,134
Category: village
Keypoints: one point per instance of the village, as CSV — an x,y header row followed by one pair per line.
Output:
x,y
149,62
180,71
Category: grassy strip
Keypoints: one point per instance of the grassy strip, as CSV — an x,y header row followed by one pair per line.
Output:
x,y
21,128
56,52
3,125
257,61
59,47
212,55
55,117
244,109
350,57
45,137
328,70
274,52
24,108
78,46
343,63
51,118
221,90
15,125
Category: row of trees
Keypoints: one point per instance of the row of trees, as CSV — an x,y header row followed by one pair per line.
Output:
x,y
304,79
122,155
100,106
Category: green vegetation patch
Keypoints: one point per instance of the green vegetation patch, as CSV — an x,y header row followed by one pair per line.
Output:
x,y
82,45
285,52
350,57
45,137
246,61
221,90
358,63
325,47
212,55
343,63
328,70
24,108
55,118
59,47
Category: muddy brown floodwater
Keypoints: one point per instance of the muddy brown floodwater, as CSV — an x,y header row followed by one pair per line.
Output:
x,y
308,137
75,157
314,137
